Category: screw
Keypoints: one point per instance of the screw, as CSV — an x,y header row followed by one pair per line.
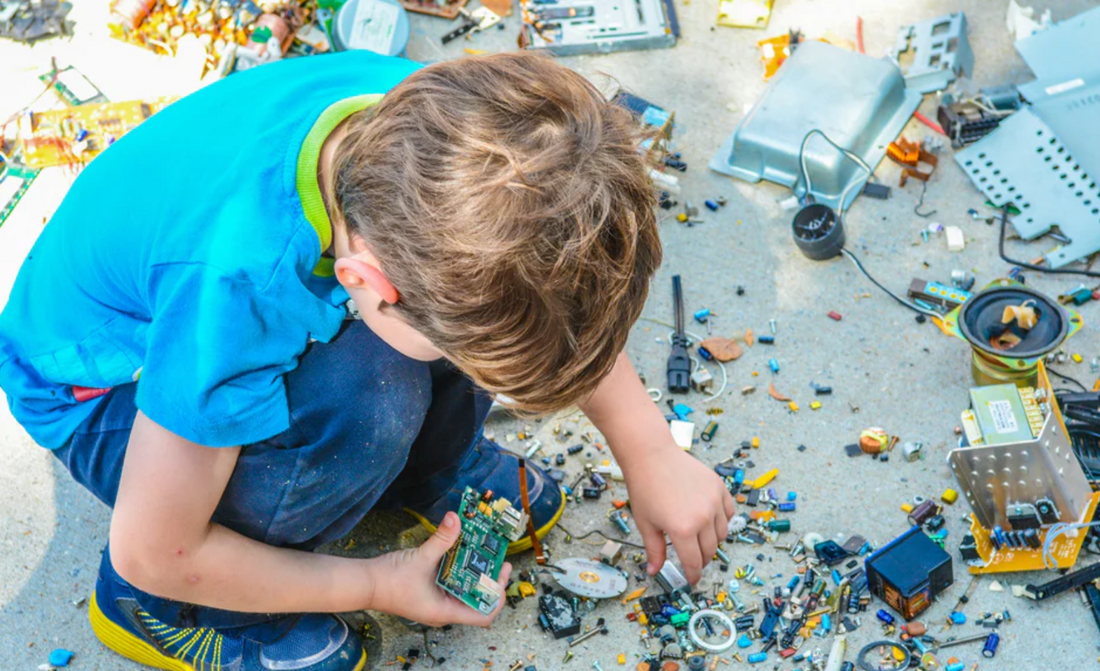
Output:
x,y
584,637
771,324
568,656
722,555
596,665
734,588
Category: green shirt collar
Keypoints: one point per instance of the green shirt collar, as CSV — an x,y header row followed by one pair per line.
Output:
x,y
309,189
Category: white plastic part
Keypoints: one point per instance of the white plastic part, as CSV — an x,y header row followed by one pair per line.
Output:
x,y
682,432
956,241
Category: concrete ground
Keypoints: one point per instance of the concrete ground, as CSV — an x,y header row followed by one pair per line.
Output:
x,y
905,377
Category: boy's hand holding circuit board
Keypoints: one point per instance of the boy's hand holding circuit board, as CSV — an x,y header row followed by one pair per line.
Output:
x,y
465,557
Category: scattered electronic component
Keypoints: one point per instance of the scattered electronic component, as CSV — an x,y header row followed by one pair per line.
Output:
x,y
672,580
74,136
557,617
938,294
72,86
1023,516
471,567
15,180
940,52
909,572
1001,414
1064,583
966,122
590,579
569,27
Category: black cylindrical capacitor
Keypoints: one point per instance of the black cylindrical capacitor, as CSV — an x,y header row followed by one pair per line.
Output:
x,y
923,513
1031,536
591,492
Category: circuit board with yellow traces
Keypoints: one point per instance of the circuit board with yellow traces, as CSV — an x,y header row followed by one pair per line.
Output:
x,y
74,136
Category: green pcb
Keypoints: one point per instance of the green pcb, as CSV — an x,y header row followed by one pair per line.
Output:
x,y
14,182
471,567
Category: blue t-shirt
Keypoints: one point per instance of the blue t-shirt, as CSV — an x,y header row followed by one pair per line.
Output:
x,y
188,257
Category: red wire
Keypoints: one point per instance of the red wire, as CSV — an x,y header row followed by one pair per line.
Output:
x,y
859,34
928,122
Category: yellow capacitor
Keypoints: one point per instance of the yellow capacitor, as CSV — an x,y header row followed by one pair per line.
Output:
x,y
949,496
755,441
622,659
907,507
815,405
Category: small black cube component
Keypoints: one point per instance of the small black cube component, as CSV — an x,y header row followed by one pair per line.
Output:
x,y
853,450
557,616
935,523
491,545
752,498
477,562
830,553
968,549
909,572
559,459
591,492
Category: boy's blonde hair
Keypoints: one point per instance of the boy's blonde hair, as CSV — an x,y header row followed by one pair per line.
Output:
x,y
508,202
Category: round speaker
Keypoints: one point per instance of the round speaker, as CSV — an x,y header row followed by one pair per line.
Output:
x,y
981,324
817,232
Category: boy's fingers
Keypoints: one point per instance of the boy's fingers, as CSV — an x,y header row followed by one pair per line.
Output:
x,y
469,616
444,537
687,548
727,503
721,527
654,541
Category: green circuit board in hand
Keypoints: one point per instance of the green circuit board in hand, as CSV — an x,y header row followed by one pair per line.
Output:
x,y
471,567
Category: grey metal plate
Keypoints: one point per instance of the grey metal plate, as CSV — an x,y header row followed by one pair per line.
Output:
x,y
992,476
617,25
941,51
1061,54
1024,161
860,102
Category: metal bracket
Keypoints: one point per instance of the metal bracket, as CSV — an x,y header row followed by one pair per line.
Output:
x,y
941,52
1024,163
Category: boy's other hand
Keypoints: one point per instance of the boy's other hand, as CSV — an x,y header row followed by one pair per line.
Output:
x,y
679,496
404,583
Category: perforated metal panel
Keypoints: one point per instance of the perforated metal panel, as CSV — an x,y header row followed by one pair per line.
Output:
x,y
1025,163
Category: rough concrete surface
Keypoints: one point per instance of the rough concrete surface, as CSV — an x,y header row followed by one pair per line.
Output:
x,y
905,377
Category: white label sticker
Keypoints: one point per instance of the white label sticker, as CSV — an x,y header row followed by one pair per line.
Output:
x,y
375,23
1004,421
1065,86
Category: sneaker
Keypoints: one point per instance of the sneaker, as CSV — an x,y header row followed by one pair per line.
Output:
x,y
310,642
489,466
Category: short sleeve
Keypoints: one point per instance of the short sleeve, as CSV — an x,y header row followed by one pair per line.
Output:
x,y
217,350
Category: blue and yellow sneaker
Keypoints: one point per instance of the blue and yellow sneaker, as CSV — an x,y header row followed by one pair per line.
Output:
x,y
310,642
489,466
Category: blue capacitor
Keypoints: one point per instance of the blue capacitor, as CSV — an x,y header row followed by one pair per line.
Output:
x,y
757,657
836,576
886,618
999,536
793,583
701,315
990,647
711,205
774,365
792,496
958,618
826,623
739,476
765,340
81,134
704,352
786,507
744,642
957,666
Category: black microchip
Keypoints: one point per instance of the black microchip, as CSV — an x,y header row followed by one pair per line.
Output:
x,y
477,563
491,545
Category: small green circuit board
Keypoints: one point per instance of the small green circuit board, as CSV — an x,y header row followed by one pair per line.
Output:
x,y
15,179
471,567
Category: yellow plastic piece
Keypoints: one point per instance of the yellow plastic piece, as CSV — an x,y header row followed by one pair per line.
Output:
x,y
721,597
634,595
815,405
643,619
622,659
793,406
949,496
763,479
897,653
755,441
1076,358
907,508
526,589
681,217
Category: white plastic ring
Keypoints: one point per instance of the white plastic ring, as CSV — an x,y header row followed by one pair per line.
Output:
x,y
723,619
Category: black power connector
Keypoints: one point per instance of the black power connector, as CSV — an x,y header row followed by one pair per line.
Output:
x,y
679,364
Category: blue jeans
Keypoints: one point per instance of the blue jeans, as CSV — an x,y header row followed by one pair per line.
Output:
x,y
369,427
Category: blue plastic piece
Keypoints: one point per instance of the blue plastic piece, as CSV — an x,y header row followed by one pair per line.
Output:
x,y
739,476
957,666
60,657
711,205
886,618
792,496
958,618
701,315
682,411
757,657
744,641
774,365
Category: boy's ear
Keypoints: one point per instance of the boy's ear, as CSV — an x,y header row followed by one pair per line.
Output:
x,y
355,273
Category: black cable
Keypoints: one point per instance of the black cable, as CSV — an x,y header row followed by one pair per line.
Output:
x,y
1067,379
889,293
600,533
916,208
1031,266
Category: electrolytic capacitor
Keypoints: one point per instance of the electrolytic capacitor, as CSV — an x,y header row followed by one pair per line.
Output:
x,y
709,430
990,647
